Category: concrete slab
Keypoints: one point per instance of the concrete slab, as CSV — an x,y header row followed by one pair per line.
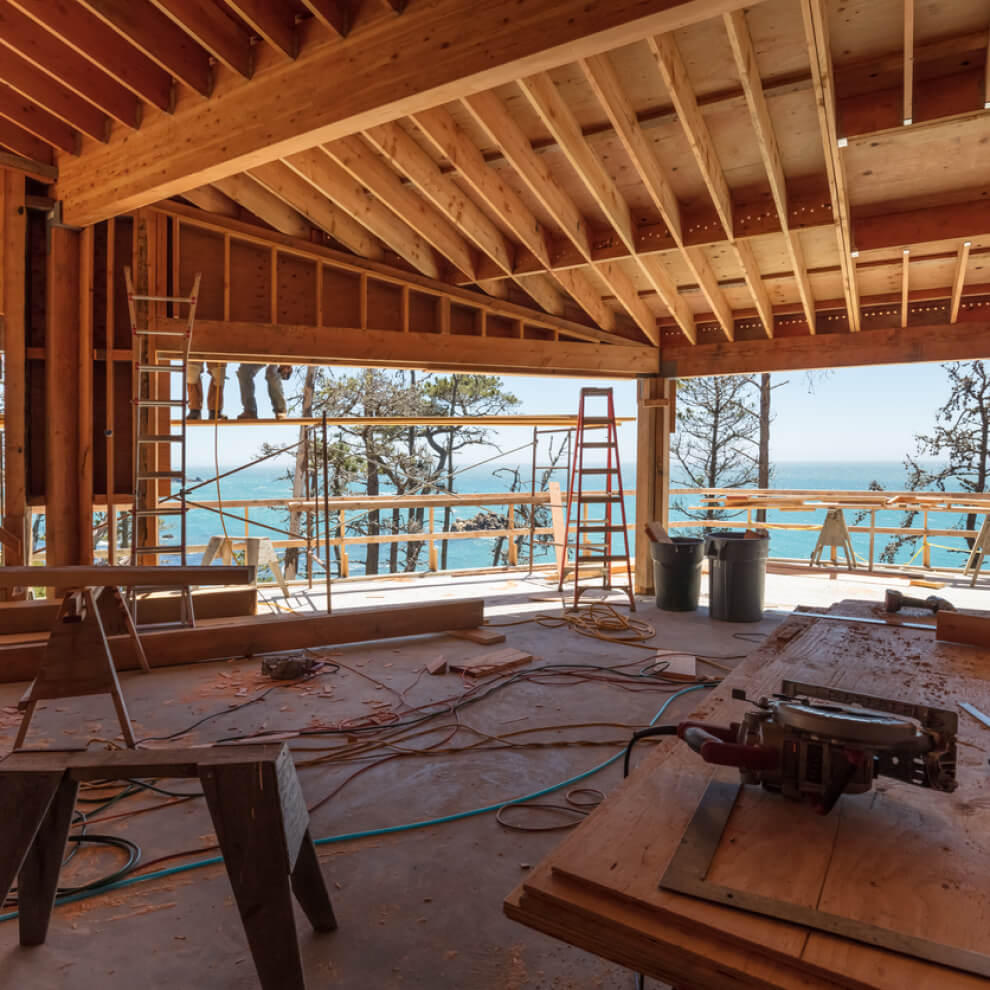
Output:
x,y
418,908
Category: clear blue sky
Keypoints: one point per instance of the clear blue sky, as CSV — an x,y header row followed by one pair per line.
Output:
x,y
862,414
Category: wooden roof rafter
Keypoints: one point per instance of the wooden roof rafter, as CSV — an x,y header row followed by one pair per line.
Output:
x,y
341,188
446,196
450,140
89,57
819,51
749,76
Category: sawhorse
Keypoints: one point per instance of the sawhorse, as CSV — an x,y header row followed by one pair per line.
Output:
x,y
834,536
258,812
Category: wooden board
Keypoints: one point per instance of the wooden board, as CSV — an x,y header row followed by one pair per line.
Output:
x,y
121,577
903,857
961,627
38,616
485,636
493,662
266,634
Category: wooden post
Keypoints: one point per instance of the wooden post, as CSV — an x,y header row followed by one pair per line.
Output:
x,y
345,561
84,428
873,534
653,427
13,250
63,371
926,553
111,442
431,545
513,549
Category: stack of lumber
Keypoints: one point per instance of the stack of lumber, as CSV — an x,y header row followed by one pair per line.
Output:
x,y
903,857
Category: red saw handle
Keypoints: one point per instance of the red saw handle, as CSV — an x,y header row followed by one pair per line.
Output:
x,y
717,744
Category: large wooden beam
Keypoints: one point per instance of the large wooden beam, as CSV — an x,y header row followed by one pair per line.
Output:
x,y
266,634
280,344
13,254
963,341
81,576
654,424
63,363
393,67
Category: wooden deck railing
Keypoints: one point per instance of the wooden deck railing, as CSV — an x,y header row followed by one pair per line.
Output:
x,y
745,503
741,504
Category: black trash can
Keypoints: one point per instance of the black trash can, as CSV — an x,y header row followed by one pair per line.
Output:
x,y
677,573
737,572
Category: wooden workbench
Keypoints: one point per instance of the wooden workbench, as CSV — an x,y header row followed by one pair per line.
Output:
x,y
906,858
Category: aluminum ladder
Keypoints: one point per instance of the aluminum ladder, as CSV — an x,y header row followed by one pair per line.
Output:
x,y
600,549
148,372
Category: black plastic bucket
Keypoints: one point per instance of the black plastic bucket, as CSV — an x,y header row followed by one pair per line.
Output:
x,y
677,573
737,573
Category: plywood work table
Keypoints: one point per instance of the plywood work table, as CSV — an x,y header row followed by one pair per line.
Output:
x,y
903,857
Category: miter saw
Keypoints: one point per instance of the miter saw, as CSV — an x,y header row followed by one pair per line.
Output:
x,y
813,743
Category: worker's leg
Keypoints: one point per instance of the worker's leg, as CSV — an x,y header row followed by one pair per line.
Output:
x,y
194,390
214,398
275,393
249,402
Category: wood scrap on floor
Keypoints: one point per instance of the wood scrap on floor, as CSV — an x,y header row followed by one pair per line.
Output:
x,y
496,662
484,635
437,666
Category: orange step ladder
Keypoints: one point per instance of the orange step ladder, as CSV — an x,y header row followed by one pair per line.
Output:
x,y
594,543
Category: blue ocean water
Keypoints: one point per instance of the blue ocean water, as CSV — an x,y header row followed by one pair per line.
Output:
x,y
272,480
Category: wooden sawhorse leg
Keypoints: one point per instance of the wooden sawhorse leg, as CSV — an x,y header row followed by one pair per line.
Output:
x,y
32,844
262,827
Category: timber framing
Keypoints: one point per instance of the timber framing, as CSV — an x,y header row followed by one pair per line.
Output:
x,y
432,51
630,167
548,187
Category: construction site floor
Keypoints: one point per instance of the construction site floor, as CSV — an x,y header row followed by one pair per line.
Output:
x,y
417,909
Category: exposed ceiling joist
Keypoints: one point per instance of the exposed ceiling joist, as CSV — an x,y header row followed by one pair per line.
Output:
x,y
430,51
37,121
356,156
49,94
334,15
822,74
502,200
305,199
159,38
263,204
675,77
766,138
218,34
273,20
338,185
959,281
87,55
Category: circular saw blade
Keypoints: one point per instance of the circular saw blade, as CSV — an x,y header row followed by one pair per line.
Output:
x,y
856,726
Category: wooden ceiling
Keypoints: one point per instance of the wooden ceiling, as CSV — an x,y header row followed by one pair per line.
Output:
x,y
789,168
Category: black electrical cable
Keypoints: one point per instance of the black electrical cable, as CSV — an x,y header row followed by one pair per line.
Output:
x,y
652,730
334,668
641,676
132,849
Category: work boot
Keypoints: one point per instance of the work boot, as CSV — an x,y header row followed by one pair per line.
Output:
x,y
214,403
194,397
